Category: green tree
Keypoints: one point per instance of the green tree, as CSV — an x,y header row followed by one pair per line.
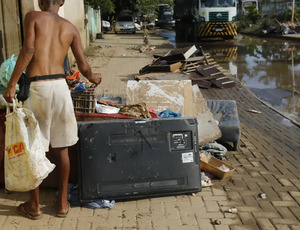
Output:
x,y
125,6
149,6
103,5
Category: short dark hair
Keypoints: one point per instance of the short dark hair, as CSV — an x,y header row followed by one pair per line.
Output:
x,y
54,2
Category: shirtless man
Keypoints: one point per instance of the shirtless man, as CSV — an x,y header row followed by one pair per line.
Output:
x,y
47,40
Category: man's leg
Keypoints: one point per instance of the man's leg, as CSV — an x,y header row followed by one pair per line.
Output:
x,y
34,203
31,208
63,167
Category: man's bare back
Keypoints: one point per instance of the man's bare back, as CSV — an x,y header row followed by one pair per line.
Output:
x,y
53,37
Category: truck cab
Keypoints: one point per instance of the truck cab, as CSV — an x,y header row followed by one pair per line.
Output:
x,y
205,19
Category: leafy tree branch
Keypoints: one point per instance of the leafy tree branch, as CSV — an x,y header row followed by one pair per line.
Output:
x,y
103,5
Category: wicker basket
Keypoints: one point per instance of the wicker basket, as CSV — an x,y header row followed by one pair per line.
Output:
x,y
84,102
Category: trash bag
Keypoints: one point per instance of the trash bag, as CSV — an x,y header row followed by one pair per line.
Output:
x,y
6,69
25,160
3,102
215,149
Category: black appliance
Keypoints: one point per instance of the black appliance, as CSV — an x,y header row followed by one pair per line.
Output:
x,y
120,159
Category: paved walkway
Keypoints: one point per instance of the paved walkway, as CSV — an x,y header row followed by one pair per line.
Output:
x,y
267,161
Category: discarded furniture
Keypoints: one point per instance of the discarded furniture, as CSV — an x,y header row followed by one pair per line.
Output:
x,y
229,123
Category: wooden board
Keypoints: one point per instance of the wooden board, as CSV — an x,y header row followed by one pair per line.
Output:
x,y
210,71
11,27
163,76
156,67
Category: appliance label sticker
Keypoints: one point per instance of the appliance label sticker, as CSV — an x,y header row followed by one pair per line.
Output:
x,y
187,157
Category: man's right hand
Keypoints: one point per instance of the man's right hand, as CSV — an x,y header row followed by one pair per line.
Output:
x,y
9,94
96,78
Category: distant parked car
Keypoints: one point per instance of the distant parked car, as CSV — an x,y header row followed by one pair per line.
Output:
x,y
125,23
106,26
167,21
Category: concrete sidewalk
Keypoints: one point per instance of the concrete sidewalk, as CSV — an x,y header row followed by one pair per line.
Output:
x,y
267,161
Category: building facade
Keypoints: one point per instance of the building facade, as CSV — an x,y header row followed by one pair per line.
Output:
x,y
12,13
274,7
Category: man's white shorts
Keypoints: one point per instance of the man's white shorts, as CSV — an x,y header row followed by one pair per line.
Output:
x,y
51,103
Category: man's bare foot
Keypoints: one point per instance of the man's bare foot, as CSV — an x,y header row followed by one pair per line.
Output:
x,y
62,212
26,210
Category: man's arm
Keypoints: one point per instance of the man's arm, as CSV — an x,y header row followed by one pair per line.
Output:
x,y
24,57
83,66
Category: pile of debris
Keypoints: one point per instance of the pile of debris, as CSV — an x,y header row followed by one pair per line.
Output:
x,y
189,63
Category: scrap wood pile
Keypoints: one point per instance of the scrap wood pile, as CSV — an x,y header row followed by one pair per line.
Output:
x,y
187,63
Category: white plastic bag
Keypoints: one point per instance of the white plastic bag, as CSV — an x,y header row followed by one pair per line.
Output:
x,y
25,160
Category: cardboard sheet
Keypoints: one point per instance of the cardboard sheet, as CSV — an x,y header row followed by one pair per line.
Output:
x,y
162,94
179,96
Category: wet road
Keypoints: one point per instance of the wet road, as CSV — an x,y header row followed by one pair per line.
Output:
x,y
269,67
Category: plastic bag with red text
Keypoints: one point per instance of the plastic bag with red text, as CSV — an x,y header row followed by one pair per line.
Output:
x,y
25,161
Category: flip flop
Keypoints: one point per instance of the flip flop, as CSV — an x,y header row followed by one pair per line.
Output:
x,y
64,213
22,211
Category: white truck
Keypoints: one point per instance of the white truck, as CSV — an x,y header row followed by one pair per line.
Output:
x,y
245,5
201,19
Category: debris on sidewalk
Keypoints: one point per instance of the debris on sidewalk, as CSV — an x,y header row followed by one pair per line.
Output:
x,y
163,76
179,97
168,113
142,48
205,180
216,222
106,109
78,85
215,149
288,27
194,63
161,66
216,167
232,210
254,111
100,204
136,110
263,196
73,198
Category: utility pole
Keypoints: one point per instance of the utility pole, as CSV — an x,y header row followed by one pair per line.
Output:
x,y
293,11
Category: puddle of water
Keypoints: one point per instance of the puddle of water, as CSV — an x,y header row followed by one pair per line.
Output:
x,y
169,35
269,67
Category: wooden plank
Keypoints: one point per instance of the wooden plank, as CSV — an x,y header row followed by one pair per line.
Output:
x,y
195,59
162,68
163,76
11,22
